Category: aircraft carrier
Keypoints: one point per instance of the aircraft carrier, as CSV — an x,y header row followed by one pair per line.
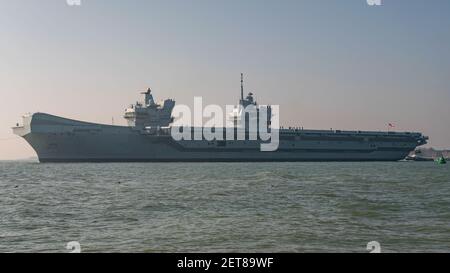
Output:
x,y
148,138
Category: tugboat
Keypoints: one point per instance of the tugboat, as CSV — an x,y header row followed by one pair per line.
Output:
x,y
417,155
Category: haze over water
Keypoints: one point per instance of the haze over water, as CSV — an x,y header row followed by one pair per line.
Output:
x,y
245,207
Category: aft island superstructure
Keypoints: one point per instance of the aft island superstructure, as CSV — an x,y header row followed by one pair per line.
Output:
x,y
148,138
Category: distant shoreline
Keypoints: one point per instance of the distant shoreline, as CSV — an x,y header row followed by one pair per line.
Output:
x,y
30,159
430,153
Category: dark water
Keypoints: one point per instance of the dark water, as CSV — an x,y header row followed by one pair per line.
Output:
x,y
213,207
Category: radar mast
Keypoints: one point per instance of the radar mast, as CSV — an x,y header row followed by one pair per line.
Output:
x,y
242,87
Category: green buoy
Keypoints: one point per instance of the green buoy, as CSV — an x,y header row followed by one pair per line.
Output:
x,y
441,160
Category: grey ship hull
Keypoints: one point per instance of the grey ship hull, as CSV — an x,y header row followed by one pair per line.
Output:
x,y
57,139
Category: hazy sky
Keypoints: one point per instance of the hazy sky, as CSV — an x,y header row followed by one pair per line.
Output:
x,y
328,64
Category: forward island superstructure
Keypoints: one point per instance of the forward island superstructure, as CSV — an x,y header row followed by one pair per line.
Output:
x,y
147,138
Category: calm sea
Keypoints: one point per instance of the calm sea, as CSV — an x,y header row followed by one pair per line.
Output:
x,y
215,207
